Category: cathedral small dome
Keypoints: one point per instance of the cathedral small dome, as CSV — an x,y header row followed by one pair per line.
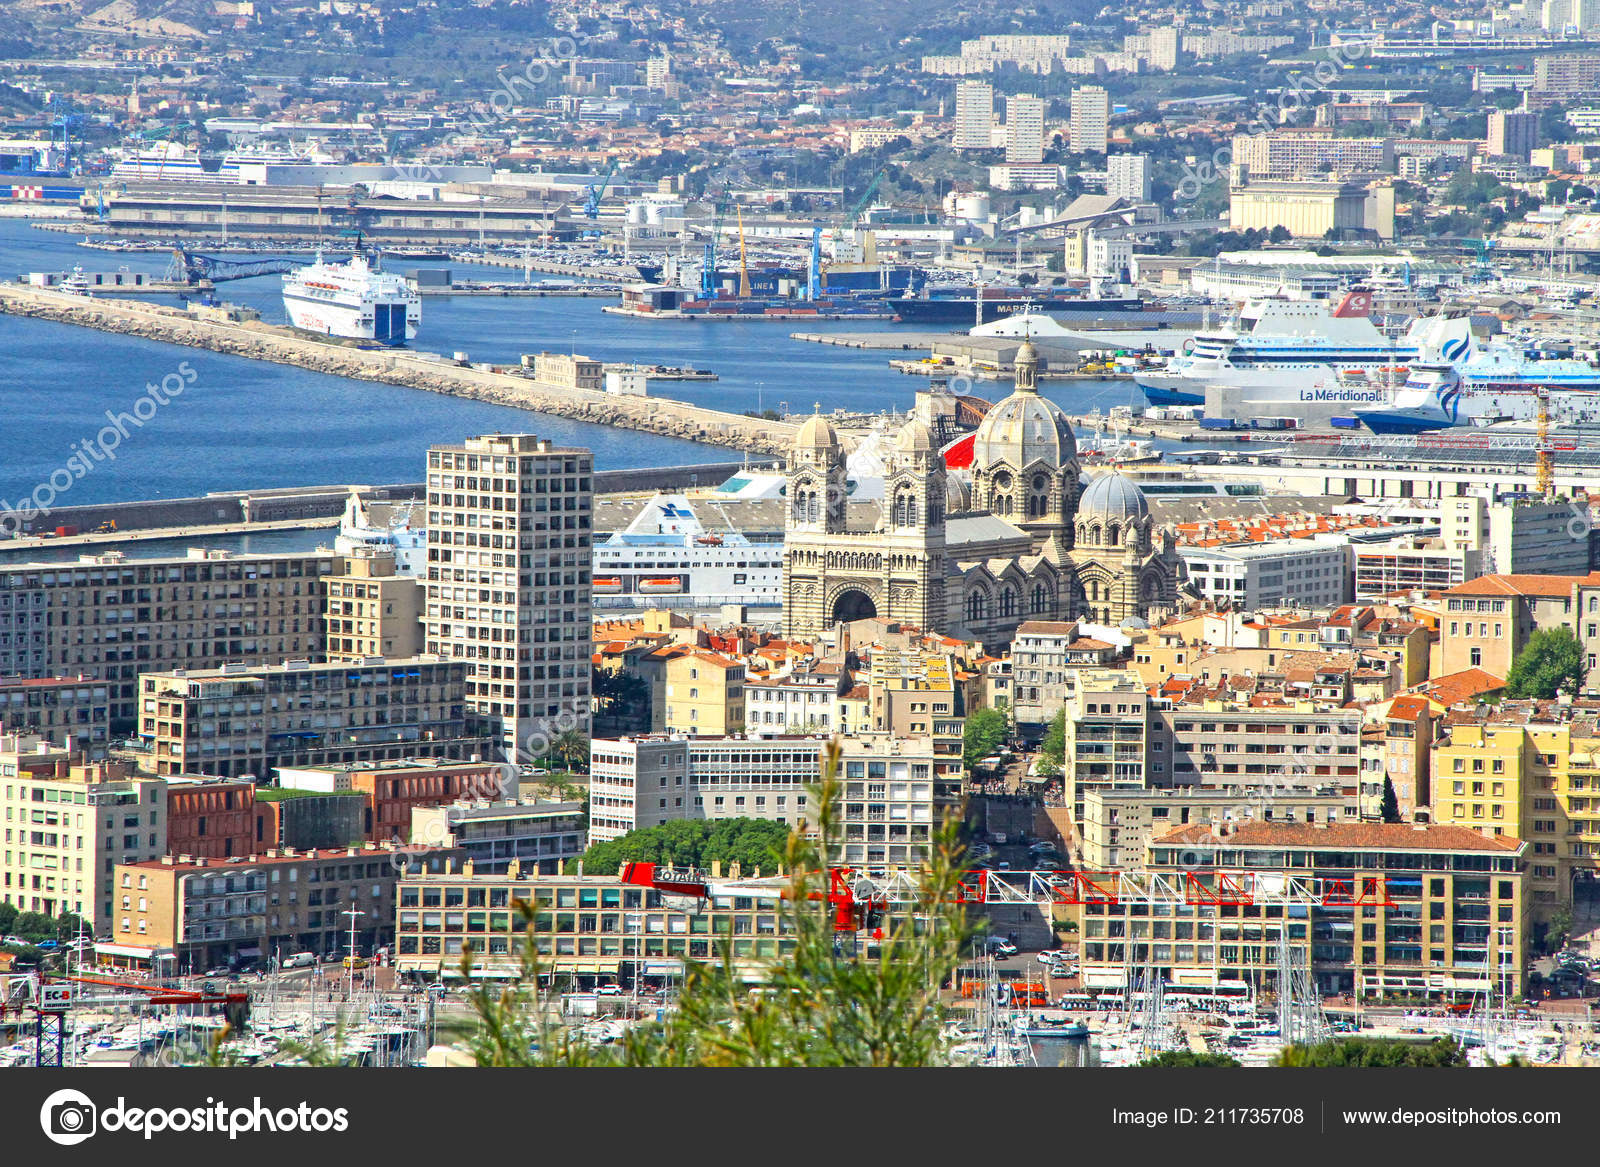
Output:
x,y
1023,429
914,437
816,435
1113,496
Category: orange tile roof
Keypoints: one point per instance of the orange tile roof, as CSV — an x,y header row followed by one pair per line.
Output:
x,y
1462,686
1348,836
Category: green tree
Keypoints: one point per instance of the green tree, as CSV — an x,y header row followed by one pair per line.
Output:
x,y
752,843
821,1006
1551,662
8,918
1391,803
984,733
1184,1059
35,926
1371,1051
1053,749
1559,928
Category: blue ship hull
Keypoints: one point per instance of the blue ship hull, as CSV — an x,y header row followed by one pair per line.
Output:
x,y
1380,422
1156,396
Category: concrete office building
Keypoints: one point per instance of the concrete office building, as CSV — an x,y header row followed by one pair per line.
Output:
x,y
73,710
111,618
1119,824
68,824
1091,119
974,115
185,914
509,558
540,836
242,720
1452,928
371,610
896,790
1513,133
1024,129
1312,572
1128,177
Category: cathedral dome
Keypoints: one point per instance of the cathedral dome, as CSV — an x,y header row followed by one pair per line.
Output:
x,y
1021,430
1113,496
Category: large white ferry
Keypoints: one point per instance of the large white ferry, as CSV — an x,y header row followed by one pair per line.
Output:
x,y
1501,384
1287,347
354,300
175,162
667,558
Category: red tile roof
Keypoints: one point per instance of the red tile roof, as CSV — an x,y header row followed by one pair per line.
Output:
x,y
1348,836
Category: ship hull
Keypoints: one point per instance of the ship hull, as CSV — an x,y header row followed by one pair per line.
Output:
x,y
962,310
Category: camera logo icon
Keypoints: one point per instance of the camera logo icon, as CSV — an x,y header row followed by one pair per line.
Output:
x,y
68,1117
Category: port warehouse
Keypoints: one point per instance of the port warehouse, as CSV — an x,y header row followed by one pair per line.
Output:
x,y
298,212
230,508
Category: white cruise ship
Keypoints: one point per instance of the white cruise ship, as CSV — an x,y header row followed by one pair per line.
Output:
x,y
667,558
354,300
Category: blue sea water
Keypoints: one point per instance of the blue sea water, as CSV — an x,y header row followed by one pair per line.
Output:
x,y
247,424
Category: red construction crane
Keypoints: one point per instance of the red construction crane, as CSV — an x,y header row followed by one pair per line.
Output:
x,y
857,901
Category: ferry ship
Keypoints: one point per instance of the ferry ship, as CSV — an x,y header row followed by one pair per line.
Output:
x,y
175,162
1501,384
354,300
667,558
386,526
1290,348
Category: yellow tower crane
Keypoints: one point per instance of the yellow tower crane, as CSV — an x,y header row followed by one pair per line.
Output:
x,y
1545,456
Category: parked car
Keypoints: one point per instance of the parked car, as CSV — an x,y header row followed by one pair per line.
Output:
x,y
1000,946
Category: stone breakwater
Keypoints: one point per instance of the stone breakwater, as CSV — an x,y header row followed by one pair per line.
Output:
x,y
266,342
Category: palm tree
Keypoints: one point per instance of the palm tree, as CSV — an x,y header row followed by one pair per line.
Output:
x,y
569,747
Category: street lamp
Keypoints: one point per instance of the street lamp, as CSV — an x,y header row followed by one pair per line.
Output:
x,y
350,959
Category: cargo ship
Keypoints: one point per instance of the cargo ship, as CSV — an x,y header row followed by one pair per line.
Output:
x,y
959,305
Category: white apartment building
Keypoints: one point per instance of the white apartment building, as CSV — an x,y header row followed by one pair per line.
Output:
x,y
1312,572
1128,177
509,558
798,702
974,115
1308,153
67,826
896,790
1091,119
1024,130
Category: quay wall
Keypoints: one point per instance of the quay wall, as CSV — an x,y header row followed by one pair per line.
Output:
x,y
266,342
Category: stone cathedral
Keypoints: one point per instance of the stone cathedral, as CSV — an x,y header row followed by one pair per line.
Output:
x,y
1028,539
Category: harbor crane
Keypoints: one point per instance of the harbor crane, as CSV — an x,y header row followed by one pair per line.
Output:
x,y
708,273
193,269
596,191
52,999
